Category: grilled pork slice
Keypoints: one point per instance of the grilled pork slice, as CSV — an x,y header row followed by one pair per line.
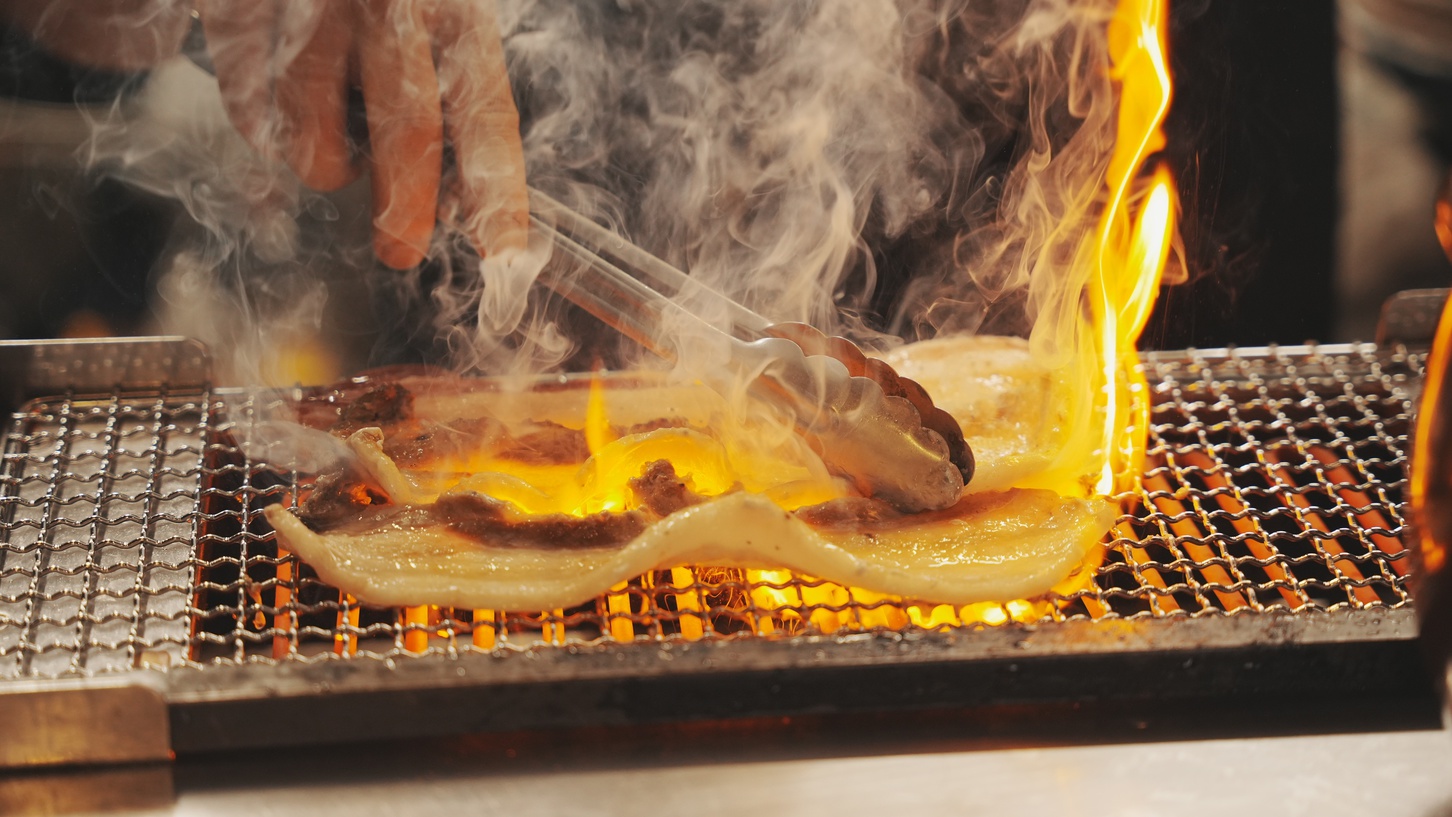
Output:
x,y
450,492
1006,545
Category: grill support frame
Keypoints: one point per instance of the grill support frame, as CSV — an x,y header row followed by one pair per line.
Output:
x,y
1365,655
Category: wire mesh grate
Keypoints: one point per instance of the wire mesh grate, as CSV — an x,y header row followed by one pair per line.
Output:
x,y
131,533
99,519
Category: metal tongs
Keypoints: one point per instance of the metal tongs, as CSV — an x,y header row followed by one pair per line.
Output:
x,y
877,429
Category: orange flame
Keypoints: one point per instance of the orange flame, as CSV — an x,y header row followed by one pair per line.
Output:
x,y
1105,398
1135,235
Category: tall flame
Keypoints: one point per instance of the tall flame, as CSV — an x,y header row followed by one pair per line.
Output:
x,y
1106,390
1133,246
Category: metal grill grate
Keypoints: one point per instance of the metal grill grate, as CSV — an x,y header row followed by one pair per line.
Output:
x,y
130,533
98,518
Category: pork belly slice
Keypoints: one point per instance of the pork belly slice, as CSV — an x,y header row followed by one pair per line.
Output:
x,y
988,547
1003,541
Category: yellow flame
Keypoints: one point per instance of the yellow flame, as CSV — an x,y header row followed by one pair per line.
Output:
x,y
300,357
707,465
1105,397
598,433
1132,247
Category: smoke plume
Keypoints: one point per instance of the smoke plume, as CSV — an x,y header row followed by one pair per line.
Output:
x,y
886,169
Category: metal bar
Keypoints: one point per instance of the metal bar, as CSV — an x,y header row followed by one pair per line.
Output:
x,y
120,720
43,547
91,367
104,494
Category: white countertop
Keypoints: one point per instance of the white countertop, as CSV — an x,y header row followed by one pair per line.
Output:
x,y
1398,773
874,765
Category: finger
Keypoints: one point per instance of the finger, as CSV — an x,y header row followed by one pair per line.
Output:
x,y
483,127
405,128
312,93
240,36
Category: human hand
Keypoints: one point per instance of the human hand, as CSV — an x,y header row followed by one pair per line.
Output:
x,y
428,69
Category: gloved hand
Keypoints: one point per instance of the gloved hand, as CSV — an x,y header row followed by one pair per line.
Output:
x,y
430,71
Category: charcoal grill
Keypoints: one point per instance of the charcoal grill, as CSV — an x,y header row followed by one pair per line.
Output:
x,y
145,609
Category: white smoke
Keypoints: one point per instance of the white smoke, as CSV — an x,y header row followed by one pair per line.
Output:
x,y
778,150
916,166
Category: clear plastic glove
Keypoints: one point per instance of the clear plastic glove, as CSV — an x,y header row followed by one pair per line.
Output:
x,y
430,71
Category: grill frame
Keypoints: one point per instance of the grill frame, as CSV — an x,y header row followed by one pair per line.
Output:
x,y
1363,644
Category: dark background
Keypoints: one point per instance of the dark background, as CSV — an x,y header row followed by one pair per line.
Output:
x,y
1253,140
